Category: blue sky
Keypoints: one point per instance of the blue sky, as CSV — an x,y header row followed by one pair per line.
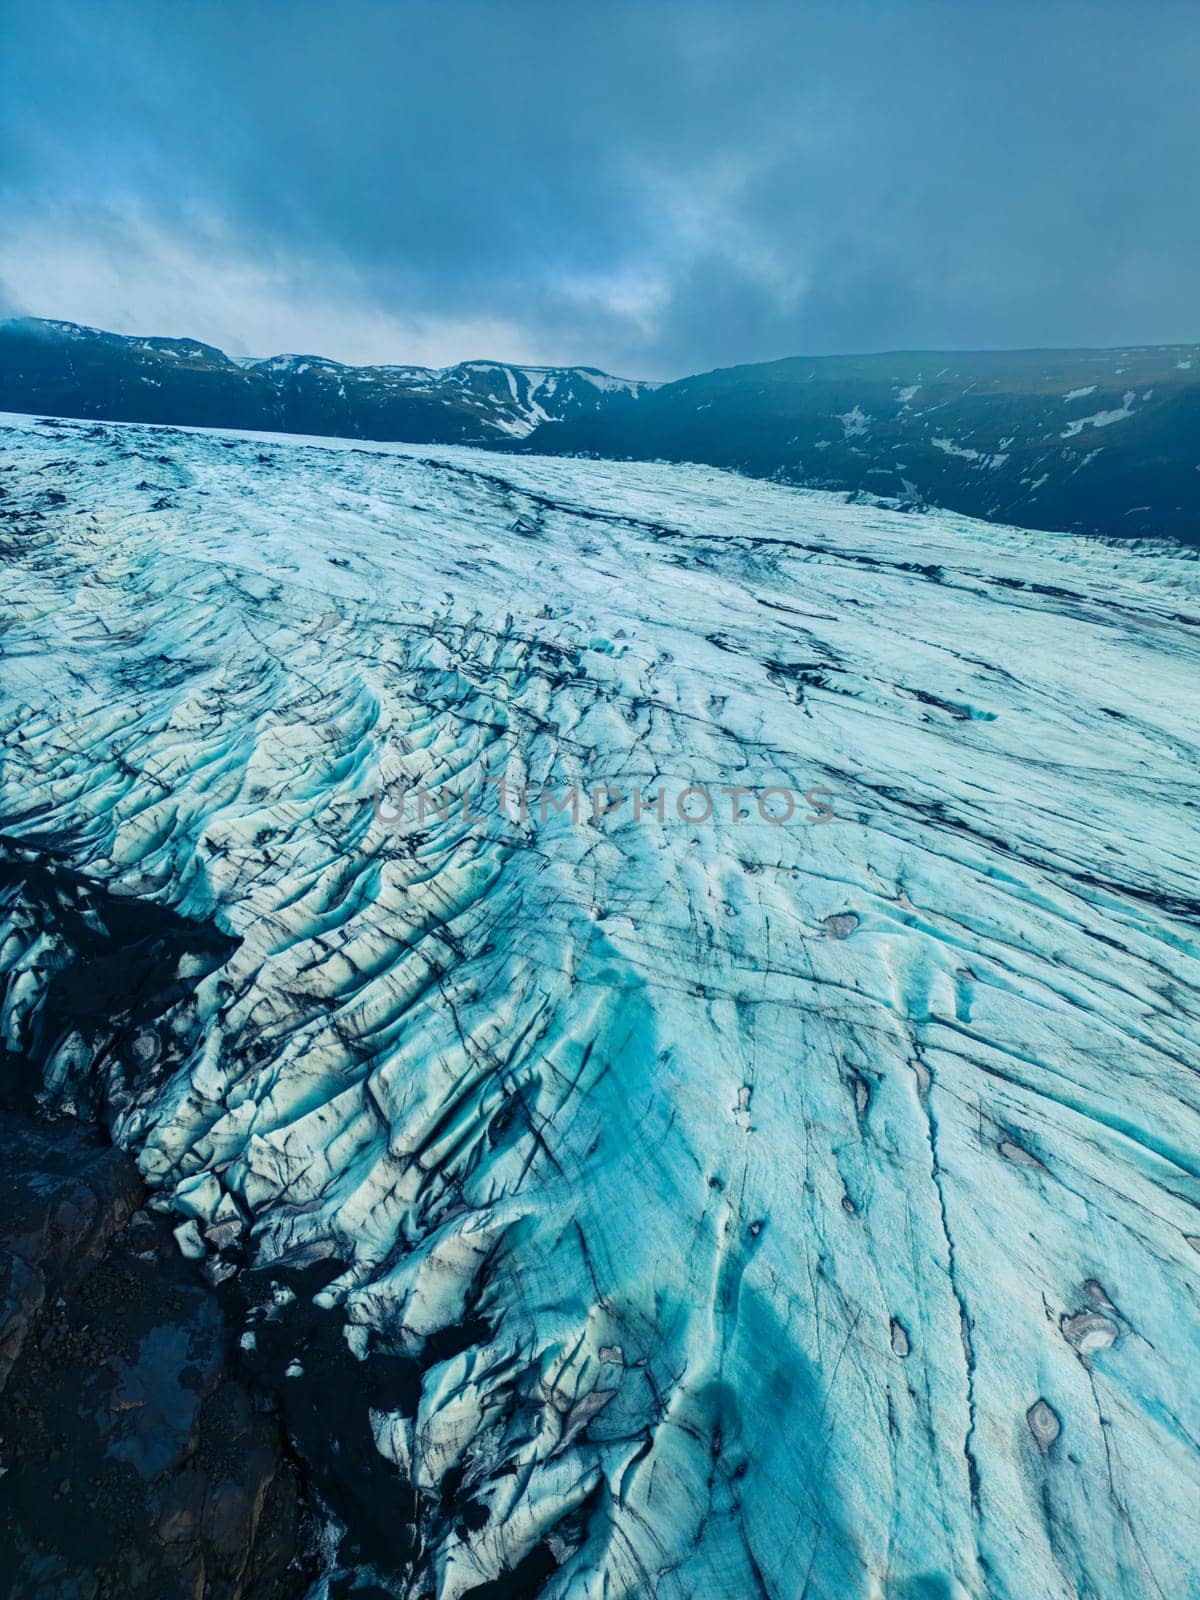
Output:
x,y
655,188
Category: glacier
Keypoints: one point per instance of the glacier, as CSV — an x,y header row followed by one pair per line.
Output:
x,y
756,1207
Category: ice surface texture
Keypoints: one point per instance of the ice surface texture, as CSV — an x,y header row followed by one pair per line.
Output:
x,y
819,1201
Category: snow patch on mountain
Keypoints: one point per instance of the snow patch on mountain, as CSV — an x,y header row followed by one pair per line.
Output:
x,y
1102,419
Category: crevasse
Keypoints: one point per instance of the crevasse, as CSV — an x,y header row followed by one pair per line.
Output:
x,y
770,1208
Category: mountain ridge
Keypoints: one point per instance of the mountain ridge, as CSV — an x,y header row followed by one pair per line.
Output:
x,y
74,370
1083,441
1087,441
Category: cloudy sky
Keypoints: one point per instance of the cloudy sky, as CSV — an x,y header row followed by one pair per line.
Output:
x,y
655,188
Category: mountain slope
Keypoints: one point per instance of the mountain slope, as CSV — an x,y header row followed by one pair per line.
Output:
x,y
1088,441
67,370
643,1205
1085,441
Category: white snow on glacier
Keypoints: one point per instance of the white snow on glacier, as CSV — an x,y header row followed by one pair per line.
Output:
x,y
823,1196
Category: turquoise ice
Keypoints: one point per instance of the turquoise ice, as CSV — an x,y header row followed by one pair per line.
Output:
x,y
828,1192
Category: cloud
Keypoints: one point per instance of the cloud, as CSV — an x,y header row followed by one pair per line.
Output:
x,y
655,189
120,270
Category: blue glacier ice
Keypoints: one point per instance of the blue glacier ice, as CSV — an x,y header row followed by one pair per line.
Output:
x,y
801,1209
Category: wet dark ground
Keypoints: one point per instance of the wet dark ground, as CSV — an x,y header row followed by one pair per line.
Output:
x,y
171,1429
137,1461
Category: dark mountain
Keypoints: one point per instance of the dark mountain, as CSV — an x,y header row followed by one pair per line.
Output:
x,y
71,371
1086,441
1090,441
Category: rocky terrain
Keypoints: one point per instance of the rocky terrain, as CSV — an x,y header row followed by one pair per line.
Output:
x,y
136,1459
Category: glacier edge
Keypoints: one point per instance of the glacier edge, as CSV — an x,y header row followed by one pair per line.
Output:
x,y
767,1209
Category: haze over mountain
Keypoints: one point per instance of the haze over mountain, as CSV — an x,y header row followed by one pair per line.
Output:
x,y
1084,441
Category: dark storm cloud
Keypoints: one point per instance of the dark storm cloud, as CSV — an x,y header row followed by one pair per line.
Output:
x,y
656,188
